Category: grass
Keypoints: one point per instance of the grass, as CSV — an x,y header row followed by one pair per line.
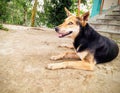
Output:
x,y
3,28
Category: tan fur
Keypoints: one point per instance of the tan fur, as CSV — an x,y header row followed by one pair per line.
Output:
x,y
65,27
67,55
87,62
68,12
84,18
72,65
74,27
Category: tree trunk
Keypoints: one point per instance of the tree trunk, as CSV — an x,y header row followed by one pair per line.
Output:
x,y
78,12
25,16
34,13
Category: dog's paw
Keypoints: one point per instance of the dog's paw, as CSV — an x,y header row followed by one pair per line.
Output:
x,y
54,66
51,66
55,58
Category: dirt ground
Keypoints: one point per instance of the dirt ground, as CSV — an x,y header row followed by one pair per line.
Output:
x,y
24,54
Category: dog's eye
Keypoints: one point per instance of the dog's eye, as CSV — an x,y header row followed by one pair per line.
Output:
x,y
70,23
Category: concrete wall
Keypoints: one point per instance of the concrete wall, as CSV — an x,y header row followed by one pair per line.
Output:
x,y
109,3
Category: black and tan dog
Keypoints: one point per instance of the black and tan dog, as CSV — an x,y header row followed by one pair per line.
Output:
x,y
90,46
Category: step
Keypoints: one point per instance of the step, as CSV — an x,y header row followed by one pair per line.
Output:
x,y
108,21
112,26
116,8
117,12
113,16
108,31
111,34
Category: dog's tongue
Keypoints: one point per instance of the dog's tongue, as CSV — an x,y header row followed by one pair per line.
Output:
x,y
60,35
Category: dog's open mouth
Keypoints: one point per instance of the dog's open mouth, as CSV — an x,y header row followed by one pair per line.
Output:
x,y
60,35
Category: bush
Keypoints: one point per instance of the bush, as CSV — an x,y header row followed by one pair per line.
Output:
x,y
3,28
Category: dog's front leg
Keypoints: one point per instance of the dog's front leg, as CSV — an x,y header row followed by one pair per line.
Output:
x,y
66,46
71,65
67,55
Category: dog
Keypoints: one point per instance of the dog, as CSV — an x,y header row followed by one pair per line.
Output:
x,y
90,47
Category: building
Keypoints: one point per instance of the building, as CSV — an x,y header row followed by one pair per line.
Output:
x,y
100,6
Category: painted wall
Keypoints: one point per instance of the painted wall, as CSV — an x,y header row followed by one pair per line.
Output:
x,y
95,7
109,3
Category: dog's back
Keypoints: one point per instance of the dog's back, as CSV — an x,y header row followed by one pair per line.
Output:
x,y
104,49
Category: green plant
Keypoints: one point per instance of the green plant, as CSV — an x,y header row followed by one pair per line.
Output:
x,y
3,28
54,12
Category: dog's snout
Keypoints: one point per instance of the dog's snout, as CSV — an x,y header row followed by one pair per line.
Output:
x,y
56,29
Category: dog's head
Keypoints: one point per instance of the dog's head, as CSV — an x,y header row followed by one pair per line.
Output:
x,y
71,26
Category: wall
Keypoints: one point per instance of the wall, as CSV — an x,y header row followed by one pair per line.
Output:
x,y
109,3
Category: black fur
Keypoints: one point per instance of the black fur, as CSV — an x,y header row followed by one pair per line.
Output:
x,y
103,49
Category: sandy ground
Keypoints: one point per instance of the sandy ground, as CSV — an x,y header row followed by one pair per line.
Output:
x,y
24,54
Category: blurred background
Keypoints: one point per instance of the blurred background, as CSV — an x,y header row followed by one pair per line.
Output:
x,y
48,13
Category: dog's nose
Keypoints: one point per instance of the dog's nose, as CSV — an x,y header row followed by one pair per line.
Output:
x,y
56,29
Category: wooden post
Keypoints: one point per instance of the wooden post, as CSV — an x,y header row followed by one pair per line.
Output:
x,y
101,7
119,2
34,10
78,12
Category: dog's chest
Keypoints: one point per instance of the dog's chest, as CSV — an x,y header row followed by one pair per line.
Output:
x,y
80,45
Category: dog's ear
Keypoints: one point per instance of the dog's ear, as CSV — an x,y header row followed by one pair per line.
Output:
x,y
68,13
85,16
